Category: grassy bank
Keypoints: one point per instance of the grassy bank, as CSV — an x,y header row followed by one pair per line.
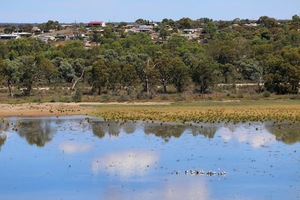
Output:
x,y
229,111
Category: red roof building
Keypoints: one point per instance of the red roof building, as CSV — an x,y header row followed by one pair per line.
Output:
x,y
96,23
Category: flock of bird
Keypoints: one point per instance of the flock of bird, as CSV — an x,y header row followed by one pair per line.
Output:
x,y
202,172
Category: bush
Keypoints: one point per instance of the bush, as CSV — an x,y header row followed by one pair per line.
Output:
x,y
123,98
105,98
164,97
77,96
266,94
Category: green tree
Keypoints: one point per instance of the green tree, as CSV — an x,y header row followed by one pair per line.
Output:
x,y
203,74
99,76
146,72
185,23
210,29
74,49
9,70
180,74
165,71
36,69
281,76
267,22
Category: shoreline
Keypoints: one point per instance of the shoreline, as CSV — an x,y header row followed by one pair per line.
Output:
x,y
163,111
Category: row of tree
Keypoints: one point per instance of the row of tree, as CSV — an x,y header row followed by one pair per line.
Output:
x,y
267,54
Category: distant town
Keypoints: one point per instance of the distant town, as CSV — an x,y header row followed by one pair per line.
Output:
x,y
53,31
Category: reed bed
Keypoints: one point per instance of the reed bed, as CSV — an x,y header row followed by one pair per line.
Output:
x,y
198,112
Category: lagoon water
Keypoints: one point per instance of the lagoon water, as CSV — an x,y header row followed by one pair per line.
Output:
x,y
88,158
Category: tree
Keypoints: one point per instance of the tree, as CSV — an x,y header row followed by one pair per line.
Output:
x,y
65,69
165,71
74,49
180,74
9,29
35,69
185,23
251,70
267,22
210,28
203,74
99,76
129,76
26,46
9,70
146,72
281,75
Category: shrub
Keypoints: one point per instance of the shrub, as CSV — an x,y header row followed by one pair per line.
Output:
x,y
105,98
123,98
266,94
77,96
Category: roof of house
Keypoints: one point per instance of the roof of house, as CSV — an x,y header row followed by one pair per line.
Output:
x,y
96,22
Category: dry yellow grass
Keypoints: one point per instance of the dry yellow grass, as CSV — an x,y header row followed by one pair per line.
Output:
x,y
234,112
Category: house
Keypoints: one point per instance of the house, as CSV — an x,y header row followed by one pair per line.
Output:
x,y
145,28
96,23
9,36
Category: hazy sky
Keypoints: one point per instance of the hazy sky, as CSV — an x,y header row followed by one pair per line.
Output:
x,y
120,10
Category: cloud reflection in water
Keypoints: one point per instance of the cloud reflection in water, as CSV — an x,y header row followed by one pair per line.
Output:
x,y
125,163
73,148
173,188
256,135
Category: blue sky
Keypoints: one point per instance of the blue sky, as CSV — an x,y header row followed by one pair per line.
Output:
x,y
119,10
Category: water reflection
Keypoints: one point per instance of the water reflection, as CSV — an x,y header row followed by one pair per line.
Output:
x,y
2,139
125,164
254,134
73,148
207,130
36,131
100,128
3,128
165,131
171,189
286,132
88,158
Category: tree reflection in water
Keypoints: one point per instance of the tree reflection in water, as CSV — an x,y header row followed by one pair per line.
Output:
x,y
36,131
286,132
100,128
208,130
2,139
165,131
112,128
3,127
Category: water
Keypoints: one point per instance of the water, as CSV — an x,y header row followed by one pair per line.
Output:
x,y
85,158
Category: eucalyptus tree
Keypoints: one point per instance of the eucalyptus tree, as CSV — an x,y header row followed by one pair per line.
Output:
x,y
35,69
146,71
10,72
203,74
99,76
282,72
129,77
165,71
180,77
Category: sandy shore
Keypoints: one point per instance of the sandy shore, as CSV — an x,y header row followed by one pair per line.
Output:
x,y
57,109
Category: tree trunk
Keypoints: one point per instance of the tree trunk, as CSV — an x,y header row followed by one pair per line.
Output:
x,y
164,82
76,81
10,88
147,87
99,90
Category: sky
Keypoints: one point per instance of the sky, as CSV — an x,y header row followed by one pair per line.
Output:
x,y
69,11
